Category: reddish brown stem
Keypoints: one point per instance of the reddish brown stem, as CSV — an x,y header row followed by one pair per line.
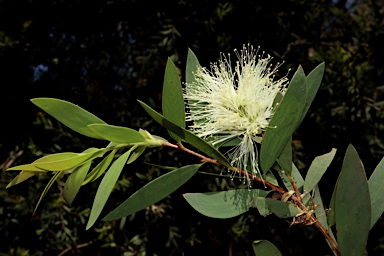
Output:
x,y
325,232
296,190
297,200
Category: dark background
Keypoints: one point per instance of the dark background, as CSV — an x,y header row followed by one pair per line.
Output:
x,y
104,55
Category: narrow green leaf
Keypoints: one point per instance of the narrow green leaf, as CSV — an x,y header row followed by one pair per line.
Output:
x,y
229,143
295,175
224,204
352,206
100,168
173,100
187,136
49,185
271,178
320,211
313,83
265,248
117,134
74,182
106,187
169,168
136,153
318,167
153,192
285,158
284,121
191,67
376,191
22,176
59,161
71,115
266,206
331,209
277,99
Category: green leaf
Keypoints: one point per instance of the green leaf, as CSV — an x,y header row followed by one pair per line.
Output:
x,y
117,134
191,67
136,153
153,192
331,210
173,100
59,161
71,115
352,206
224,204
313,83
285,158
295,175
47,187
100,168
376,191
187,136
271,178
74,182
266,206
320,212
22,176
106,187
265,248
318,167
228,143
284,121
169,168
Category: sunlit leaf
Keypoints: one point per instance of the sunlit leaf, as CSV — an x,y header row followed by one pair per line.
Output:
x,y
106,186
100,168
265,248
59,161
153,192
352,206
22,176
117,134
173,100
70,115
47,187
376,191
284,121
136,153
224,204
74,182
317,169
187,136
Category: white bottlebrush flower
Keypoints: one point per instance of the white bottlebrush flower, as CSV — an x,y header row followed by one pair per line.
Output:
x,y
225,103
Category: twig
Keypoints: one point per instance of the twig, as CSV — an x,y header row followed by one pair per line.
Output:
x,y
295,199
77,247
325,232
296,189
210,160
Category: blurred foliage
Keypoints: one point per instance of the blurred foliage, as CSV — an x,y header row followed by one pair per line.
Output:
x,y
103,55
